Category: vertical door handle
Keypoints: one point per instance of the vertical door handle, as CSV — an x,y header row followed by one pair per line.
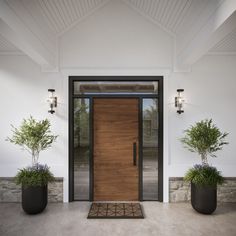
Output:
x,y
134,154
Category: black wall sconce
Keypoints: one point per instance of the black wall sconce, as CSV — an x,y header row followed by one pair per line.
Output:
x,y
52,100
179,101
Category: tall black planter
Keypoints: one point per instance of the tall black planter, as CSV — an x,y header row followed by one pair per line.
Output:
x,y
204,198
34,199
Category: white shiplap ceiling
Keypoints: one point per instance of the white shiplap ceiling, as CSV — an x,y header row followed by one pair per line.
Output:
x,y
167,13
177,17
173,15
60,15
227,45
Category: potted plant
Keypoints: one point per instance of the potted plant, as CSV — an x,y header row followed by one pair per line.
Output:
x,y
205,139
34,137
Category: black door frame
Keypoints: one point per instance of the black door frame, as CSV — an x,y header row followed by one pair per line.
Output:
x,y
72,79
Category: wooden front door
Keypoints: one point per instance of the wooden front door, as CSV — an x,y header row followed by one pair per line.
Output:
x,y
115,145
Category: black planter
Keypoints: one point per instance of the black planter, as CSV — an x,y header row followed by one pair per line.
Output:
x,y
204,198
34,199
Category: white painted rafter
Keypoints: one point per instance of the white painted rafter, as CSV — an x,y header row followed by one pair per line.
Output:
x,y
7,47
219,24
32,43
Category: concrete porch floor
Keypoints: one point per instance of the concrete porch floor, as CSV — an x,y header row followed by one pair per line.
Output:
x,y
160,220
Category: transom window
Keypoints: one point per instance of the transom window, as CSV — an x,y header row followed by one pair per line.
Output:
x,y
108,87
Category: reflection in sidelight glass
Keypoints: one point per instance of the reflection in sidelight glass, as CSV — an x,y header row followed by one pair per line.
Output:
x,y
81,149
115,87
150,149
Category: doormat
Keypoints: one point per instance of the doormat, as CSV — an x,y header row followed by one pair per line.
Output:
x,y
115,211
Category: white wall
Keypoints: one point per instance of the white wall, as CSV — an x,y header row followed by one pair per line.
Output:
x,y
23,90
209,93
115,37
117,41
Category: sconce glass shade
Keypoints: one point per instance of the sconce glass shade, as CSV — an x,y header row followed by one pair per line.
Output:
x,y
52,100
179,101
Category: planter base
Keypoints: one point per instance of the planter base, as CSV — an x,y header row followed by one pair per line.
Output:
x,y
34,199
204,198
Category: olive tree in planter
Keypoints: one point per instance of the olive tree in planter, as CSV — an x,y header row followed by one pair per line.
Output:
x,y
34,137
205,139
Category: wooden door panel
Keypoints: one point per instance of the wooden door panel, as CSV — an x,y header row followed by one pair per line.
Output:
x,y
115,131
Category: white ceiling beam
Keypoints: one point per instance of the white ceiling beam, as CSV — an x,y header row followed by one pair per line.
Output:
x,y
221,23
15,31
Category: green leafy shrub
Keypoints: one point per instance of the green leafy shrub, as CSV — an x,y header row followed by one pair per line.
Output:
x,y
33,136
204,138
204,175
37,175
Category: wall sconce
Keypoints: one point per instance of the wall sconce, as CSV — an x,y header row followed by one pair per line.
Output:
x,y
52,100
179,101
